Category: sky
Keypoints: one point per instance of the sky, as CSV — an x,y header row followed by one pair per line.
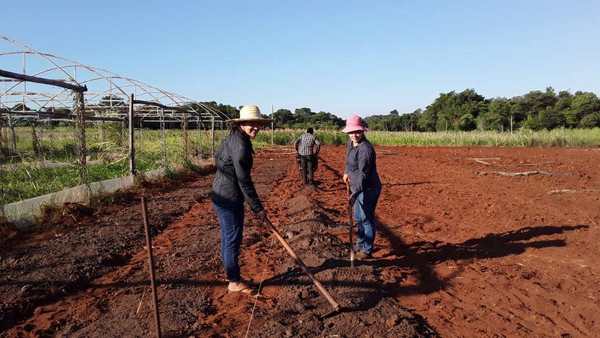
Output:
x,y
365,57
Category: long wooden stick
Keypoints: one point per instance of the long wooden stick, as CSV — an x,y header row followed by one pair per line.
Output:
x,y
151,267
350,225
320,287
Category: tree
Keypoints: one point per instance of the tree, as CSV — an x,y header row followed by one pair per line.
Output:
x,y
497,115
230,111
550,118
427,120
454,111
283,117
303,114
590,121
582,104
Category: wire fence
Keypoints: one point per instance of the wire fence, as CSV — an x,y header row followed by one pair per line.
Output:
x,y
43,156
64,123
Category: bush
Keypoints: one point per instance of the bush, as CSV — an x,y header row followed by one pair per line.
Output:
x,y
590,121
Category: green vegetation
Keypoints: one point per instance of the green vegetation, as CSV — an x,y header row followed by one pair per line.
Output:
x,y
25,179
467,110
524,138
304,117
22,176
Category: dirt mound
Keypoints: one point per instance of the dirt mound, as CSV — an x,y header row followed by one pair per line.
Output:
x,y
367,310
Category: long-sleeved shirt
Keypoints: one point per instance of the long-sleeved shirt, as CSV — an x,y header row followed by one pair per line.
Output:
x,y
233,183
307,144
361,166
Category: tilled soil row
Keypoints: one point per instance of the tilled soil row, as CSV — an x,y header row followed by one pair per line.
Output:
x,y
368,311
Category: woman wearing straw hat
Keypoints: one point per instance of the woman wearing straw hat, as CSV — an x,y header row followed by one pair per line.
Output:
x,y
232,186
365,186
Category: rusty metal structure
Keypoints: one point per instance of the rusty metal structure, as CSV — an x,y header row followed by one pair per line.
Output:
x,y
38,89
106,97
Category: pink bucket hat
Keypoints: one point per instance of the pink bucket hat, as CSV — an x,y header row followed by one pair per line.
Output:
x,y
354,123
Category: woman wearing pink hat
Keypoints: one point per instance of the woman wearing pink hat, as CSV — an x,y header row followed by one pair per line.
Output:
x,y
361,174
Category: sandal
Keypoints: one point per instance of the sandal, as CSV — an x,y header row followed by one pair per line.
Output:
x,y
240,287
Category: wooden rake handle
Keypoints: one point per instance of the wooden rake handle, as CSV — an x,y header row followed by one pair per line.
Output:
x,y
320,287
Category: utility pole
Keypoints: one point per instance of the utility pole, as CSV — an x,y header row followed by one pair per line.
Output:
x,y
272,127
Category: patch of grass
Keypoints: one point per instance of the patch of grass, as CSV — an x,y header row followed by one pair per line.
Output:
x,y
524,138
58,144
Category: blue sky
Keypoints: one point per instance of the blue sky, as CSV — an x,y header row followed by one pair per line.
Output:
x,y
338,56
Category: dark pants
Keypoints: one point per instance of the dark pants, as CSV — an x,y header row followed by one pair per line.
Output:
x,y
231,220
364,216
308,164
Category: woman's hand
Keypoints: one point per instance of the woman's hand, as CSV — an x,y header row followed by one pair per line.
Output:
x,y
262,217
345,178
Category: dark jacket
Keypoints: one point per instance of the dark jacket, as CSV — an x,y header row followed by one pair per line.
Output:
x,y
233,184
361,167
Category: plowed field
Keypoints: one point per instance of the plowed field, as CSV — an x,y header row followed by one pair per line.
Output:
x,y
471,242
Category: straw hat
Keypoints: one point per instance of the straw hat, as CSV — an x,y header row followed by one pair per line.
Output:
x,y
250,113
354,123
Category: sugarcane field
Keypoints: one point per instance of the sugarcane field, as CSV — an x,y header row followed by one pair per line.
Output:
x,y
434,190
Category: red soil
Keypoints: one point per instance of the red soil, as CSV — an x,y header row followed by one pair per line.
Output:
x,y
467,251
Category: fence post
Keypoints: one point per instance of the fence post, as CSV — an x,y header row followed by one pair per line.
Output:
x,y
80,125
199,152
212,135
185,137
272,127
132,169
140,133
35,143
101,131
13,141
2,131
163,145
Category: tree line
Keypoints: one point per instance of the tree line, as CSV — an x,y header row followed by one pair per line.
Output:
x,y
285,118
464,111
468,110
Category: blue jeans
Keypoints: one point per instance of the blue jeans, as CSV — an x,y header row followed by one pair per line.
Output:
x,y
364,216
231,220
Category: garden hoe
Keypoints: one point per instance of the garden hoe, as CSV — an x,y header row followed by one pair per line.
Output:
x,y
320,287
351,225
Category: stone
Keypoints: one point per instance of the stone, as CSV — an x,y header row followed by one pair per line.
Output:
x,y
392,321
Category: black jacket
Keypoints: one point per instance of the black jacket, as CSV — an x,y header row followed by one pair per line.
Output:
x,y
233,184
361,167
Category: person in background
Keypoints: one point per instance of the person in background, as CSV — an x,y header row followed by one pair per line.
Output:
x,y
308,146
232,186
365,186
